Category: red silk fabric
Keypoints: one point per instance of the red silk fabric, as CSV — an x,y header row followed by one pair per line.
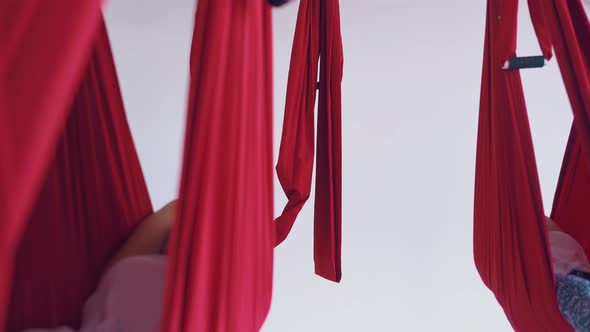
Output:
x,y
36,87
317,42
510,244
90,199
221,250
571,33
82,191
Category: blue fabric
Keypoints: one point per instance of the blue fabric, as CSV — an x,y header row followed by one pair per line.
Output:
x,y
573,294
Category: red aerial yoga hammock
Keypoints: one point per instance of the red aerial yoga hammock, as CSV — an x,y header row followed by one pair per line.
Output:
x,y
317,41
510,238
34,94
221,252
80,217
71,186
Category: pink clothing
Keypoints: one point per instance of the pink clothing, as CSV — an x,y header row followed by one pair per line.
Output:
x,y
567,254
128,299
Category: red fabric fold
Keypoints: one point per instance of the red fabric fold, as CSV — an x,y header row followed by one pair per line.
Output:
x,y
295,164
91,197
570,205
42,54
570,30
537,11
221,250
510,244
317,41
328,194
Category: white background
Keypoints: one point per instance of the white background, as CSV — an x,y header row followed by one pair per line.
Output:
x,y
410,105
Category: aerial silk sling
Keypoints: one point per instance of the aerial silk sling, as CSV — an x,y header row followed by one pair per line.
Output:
x,y
71,187
510,239
317,41
93,194
221,253
35,94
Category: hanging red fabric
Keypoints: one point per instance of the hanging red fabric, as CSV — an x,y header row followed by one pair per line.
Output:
x,y
510,245
90,199
570,30
221,250
317,41
220,271
570,205
34,94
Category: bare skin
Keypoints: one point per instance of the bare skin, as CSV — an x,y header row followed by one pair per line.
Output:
x,y
151,235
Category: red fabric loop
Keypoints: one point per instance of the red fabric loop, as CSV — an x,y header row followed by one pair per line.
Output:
x,y
317,42
510,244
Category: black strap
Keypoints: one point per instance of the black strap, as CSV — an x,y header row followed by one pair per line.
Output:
x,y
523,62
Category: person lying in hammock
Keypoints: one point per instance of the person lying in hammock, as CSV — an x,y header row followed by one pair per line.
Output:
x,y
129,295
572,271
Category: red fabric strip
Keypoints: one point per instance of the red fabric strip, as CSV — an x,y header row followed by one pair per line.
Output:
x,y
570,30
295,165
317,41
92,196
537,11
328,193
570,205
221,249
